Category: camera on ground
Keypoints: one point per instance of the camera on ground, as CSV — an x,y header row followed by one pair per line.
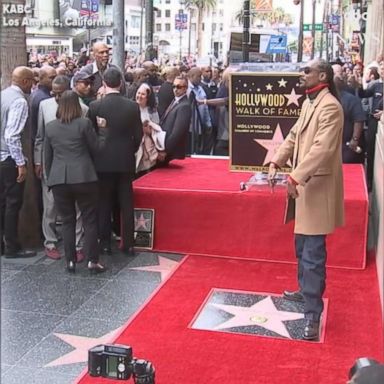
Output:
x,y
114,361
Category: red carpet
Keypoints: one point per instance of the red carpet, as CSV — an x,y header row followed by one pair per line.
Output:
x,y
161,332
199,209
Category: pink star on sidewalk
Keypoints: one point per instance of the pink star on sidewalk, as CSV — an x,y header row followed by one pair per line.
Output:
x,y
264,314
81,344
141,222
165,267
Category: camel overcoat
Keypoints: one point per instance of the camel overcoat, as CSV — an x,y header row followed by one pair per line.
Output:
x,y
314,146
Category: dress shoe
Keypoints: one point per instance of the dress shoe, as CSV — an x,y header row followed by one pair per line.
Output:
x,y
311,330
96,268
52,253
129,251
294,296
71,266
23,254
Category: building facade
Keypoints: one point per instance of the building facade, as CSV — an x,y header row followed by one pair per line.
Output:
x,y
50,29
172,40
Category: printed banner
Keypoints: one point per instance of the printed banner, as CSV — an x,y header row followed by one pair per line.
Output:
x,y
264,107
263,5
277,44
78,9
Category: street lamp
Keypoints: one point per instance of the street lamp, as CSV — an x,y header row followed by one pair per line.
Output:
x,y
301,29
181,27
246,40
301,33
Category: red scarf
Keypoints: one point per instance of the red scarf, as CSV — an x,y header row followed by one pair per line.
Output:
x,y
317,88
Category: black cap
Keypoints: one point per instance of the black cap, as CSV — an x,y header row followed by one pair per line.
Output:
x,y
82,76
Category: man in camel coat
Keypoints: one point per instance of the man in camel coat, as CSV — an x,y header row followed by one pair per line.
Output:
x,y
315,185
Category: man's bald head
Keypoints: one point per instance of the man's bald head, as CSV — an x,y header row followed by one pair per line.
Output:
x,y
171,73
338,76
149,66
101,54
46,75
206,72
23,77
194,75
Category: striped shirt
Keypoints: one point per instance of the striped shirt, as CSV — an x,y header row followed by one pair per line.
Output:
x,y
17,117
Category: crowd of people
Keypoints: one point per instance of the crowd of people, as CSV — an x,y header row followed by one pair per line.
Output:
x,y
361,95
95,128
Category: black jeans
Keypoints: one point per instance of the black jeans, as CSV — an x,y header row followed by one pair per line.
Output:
x,y
86,196
11,193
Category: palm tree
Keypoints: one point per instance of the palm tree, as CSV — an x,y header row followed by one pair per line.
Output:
x,y
276,16
13,43
201,6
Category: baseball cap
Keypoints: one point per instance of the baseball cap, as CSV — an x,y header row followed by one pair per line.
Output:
x,y
82,76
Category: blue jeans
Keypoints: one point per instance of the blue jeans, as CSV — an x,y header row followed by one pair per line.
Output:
x,y
311,258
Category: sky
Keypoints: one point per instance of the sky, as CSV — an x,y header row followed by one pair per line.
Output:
x,y
289,7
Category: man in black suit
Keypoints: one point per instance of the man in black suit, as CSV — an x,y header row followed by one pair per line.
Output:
x,y
165,94
175,122
115,164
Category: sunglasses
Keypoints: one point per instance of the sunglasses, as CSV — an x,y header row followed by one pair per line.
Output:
x,y
178,86
307,70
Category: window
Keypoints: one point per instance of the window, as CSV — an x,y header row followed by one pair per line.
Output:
x,y
159,13
167,27
135,21
158,27
167,13
221,12
221,27
203,26
134,40
167,1
214,27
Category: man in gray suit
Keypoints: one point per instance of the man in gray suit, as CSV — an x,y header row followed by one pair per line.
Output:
x,y
47,113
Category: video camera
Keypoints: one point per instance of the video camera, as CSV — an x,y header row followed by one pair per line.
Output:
x,y
115,361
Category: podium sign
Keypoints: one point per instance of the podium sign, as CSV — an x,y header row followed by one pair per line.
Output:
x,y
263,108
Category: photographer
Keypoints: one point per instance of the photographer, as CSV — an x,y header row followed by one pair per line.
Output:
x,y
373,374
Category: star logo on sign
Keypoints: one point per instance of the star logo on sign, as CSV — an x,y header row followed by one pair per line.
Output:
x,y
271,145
165,267
81,344
269,87
293,98
282,83
263,314
141,222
